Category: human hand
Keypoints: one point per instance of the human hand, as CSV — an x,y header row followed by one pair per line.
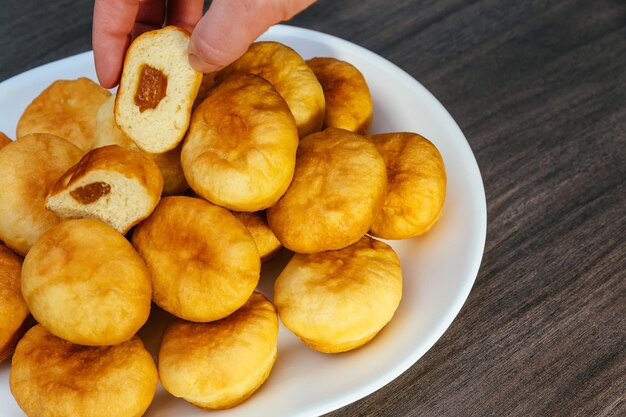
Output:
x,y
219,37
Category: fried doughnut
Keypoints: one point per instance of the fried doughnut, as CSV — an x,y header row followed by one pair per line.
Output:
x,y
108,133
220,364
4,140
292,78
157,89
13,309
417,185
338,188
28,168
203,261
240,150
348,99
115,185
67,108
86,284
264,238
339,300
52,377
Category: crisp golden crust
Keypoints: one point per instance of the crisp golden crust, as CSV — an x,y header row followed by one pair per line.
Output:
x,y
203,261
13,309
85,283
157,89
67,108
108,133
51,377
4,140
28,168
339,300
220,364
348,100
290,75
240,150
265,240
417,185
338,188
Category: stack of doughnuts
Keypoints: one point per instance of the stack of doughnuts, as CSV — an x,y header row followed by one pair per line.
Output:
x,y
174,192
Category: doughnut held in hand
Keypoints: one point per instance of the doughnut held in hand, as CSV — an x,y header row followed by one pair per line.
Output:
x,y
53,377
240,150
220,364
115,185
157,89
417,185
339,300
85,283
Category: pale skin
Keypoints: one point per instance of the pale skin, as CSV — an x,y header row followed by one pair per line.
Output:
x,y
219,37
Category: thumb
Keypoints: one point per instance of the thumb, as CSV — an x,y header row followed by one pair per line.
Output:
x,y
228,28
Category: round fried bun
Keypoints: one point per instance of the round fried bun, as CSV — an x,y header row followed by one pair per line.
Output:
x,y
4,140
337,190
417,185
28,168
339,300
13,309
240,150
265,240
220,364
53,377
203,261
85,283
67,108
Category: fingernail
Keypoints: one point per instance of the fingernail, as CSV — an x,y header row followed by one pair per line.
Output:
x,y
201,65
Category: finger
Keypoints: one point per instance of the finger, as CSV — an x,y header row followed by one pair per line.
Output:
x,y
184,13
113,22
224,33
150,16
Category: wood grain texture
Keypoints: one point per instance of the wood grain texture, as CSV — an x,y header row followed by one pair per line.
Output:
x,y
539,89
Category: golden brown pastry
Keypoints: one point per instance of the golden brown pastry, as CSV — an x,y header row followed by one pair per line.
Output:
x,y
13,310
108,133
157,89
264,238
67,108
203,261
348,100
417,185
85,283
115,185
4,140
220,364
292,78
28,168
240,150
51,377
339,300
338,188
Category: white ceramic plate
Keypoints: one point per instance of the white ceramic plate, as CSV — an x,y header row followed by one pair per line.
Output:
x,y
439,268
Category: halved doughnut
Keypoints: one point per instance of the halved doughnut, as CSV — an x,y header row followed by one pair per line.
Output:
x,y
67,108
13,309
203,262
220,364
338,188
108,133
417,185
240,150
28,168
265,240
287,71
348,100
339,300
157,89
115,185
53,377
85,283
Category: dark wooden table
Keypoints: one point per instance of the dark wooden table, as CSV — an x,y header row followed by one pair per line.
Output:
x,y
539,89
